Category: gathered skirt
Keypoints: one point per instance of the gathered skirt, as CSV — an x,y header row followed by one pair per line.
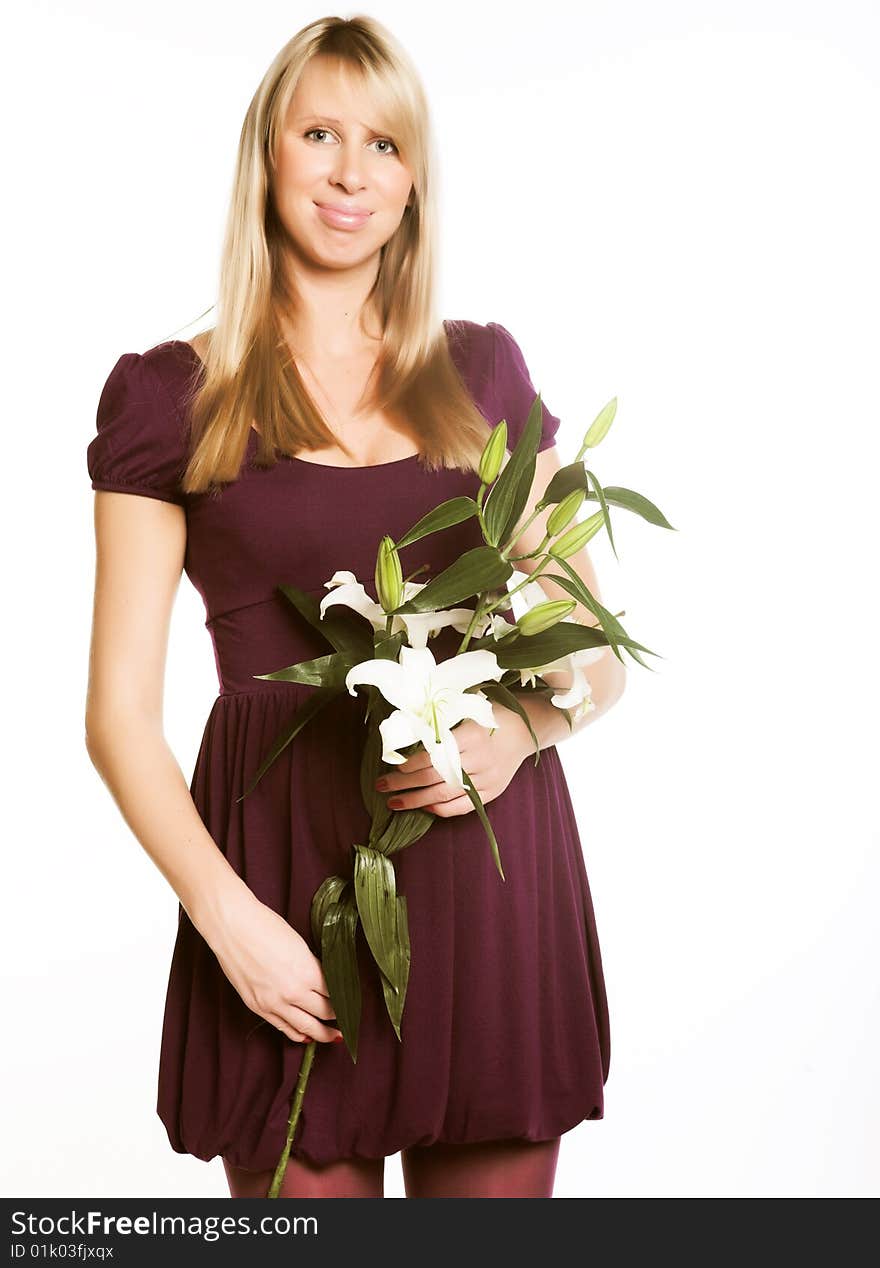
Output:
x,y
505,1029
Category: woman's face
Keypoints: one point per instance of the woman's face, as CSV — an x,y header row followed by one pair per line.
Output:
x,y
331,151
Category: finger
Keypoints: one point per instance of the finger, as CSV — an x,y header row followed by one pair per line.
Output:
x,y
415,762
455,806
318,1005
293,1022
428,776
291,1032
415,798
299,1019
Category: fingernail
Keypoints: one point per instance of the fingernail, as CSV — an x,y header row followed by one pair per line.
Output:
x,y
338,1038
395,802
381,784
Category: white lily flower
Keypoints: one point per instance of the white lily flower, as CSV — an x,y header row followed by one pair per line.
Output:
x,y
530,594
579,695
429,699
351,592
418,626
498,626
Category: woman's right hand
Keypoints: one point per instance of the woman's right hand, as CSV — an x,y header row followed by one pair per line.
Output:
x,y
273,970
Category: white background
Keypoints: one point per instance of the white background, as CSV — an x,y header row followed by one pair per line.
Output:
x,y
676,204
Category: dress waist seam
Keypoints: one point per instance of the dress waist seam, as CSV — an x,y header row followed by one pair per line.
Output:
x,y
260,691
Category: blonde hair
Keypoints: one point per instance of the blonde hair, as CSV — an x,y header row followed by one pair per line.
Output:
x,y
247,371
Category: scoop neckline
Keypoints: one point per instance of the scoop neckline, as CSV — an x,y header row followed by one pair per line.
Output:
x,y
304,462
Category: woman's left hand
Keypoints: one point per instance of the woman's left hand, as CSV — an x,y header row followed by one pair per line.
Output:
x,y
491,760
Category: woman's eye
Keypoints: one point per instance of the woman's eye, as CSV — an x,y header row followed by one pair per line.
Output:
x,y
381,140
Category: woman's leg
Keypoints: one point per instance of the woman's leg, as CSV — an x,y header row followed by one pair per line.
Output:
x,y
349,1178
484,1169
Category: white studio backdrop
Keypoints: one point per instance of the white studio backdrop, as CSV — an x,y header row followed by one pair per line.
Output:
x,y
673,204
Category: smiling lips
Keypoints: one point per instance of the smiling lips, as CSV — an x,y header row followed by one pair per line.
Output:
x,y
342,218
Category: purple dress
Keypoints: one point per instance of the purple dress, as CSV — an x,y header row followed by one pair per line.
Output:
x,y
505,1028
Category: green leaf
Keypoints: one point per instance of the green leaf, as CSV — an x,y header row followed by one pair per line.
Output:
x,y
482,568
326,895
323,671
578,589
484,819
600,495
315,703
629,500
375,802
344,628
376,892
564,482
395,992
443,516
403,828
617,636
510,492
497,691
387,646
340,965
530,651
576,586
561,639
565,713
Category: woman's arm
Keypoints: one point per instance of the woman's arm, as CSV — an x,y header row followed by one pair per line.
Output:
x,y
141,543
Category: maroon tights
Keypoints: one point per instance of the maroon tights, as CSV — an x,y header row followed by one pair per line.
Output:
x,y
485,1169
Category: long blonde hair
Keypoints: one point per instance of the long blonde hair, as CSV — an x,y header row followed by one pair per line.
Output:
x,y
247,371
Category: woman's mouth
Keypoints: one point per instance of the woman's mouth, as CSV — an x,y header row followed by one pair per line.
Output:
x,y
338,218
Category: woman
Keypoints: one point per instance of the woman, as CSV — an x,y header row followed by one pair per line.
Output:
x,y
325,344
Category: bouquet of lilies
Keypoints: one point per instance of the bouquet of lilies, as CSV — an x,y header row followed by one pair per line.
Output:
x,y
412,701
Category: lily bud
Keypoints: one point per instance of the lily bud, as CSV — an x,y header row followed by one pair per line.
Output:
x,y
493,454
577,536
543,615
598,429
389,575
565,512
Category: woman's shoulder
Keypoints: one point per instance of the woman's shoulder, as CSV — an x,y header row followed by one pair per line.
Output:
x,y
139,442
487,341
468,341
488,354
176,361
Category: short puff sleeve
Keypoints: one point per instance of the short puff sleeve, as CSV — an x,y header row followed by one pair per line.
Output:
x,y
138,447
513,390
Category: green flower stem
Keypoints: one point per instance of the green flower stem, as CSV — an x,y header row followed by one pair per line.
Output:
x,y
540,567
478,613
532,554
304,1070
485,606
520,529
545,563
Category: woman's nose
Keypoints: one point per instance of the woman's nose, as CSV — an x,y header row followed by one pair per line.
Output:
x,y
350,168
